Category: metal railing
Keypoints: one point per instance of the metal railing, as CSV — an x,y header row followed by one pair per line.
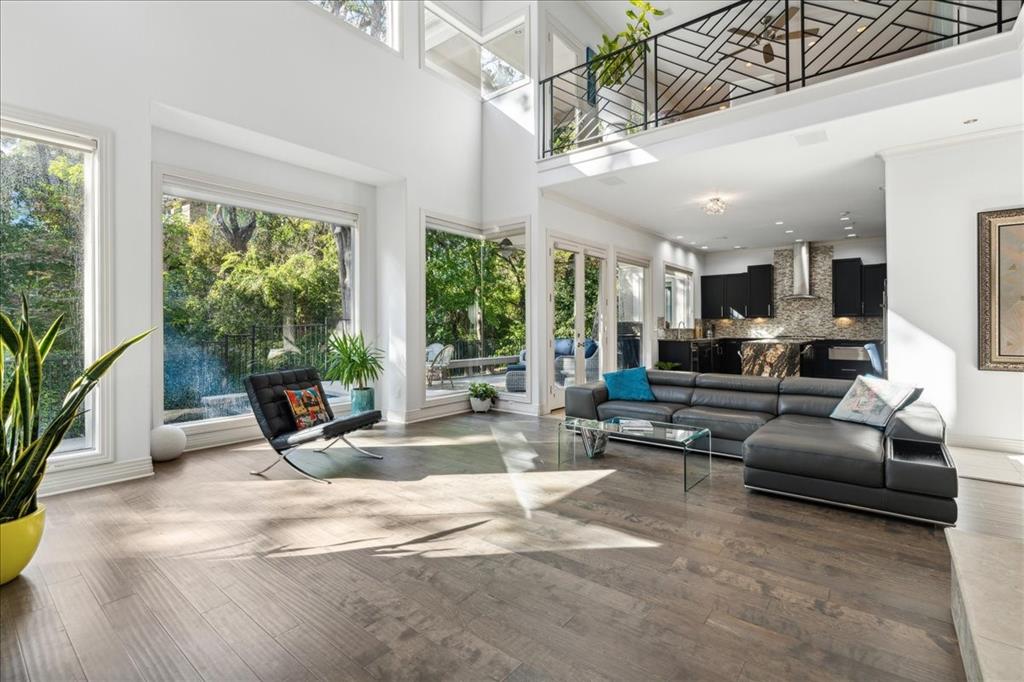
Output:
x,y
748,50
195,369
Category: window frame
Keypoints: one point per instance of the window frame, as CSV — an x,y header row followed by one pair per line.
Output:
x,y
98,302
395,45
434,220
634,259
188,183
520,17
692,312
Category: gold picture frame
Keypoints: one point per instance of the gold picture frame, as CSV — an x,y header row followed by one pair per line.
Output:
x,y
1001,290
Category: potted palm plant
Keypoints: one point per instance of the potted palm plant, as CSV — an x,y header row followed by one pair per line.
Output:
x,y
481,396
25,447
354,363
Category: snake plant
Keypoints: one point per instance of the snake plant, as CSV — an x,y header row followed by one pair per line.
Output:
x,y
24,448
352,361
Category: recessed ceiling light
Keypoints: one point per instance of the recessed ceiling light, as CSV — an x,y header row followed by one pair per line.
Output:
x,y
679,236
693,243
970,121
847,227
798,240
851,236
737,247
721,107
749,64
789,231
704,247
779,222
845,217
812,42
860,29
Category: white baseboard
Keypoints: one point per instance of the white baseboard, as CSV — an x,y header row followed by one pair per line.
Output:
x,y
67,480
429,412
986,443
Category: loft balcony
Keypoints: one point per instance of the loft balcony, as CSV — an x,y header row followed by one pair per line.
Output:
x,y
750,50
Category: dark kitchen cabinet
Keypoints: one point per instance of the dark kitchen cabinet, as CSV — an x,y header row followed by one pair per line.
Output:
x,y
761,286
737,294
873,289
712,297
707,358
728,356
846,287
677,352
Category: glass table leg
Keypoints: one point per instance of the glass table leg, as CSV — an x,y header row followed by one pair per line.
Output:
x,y
696,462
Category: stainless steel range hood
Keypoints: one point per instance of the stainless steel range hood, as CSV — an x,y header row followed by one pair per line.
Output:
x,y
801,272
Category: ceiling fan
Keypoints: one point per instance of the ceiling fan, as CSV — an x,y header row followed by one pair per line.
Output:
x,y
771,29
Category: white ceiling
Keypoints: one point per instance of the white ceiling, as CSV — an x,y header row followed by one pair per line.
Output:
x,y
613,12
776,178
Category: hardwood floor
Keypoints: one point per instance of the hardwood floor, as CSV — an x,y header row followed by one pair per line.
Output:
x,y
454,558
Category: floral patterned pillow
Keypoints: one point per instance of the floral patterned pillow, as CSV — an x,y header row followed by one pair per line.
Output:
x,y
307,407
874,401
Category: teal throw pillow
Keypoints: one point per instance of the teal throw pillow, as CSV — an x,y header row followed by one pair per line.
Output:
x,y
628,384
874,401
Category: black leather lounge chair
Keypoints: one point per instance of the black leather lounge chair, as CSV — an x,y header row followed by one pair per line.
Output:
x,y
269,404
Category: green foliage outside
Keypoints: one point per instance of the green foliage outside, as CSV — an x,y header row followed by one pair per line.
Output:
x,y
246,291
42,209
475,294
565,288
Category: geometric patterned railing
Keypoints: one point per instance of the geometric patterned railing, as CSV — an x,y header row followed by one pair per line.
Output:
x,y
749,50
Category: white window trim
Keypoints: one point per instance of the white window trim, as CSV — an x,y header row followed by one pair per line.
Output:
x,y
668,265
447,223
394,46
636,260
520,17
568,242
198,185
98,305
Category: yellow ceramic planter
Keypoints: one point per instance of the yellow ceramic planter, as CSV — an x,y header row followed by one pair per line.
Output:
x,y
18,543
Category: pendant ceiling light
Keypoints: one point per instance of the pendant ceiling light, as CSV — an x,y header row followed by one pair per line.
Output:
x,y
506,248
715,206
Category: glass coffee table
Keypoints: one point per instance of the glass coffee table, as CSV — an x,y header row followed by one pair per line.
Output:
x,y
591,436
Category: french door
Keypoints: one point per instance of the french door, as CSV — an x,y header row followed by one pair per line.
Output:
x,y
576,303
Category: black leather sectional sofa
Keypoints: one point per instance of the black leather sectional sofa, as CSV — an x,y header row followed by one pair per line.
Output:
x,y
789,444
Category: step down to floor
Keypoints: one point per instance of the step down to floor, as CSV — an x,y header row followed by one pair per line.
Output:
x,y
988,604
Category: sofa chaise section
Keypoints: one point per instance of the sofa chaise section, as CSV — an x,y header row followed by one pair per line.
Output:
x,y
791,446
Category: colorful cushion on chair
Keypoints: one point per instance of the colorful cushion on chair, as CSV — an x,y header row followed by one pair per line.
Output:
x,y
307,407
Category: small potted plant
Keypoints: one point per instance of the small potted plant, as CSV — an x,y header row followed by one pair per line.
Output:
x,y
25,447
482,396
354,363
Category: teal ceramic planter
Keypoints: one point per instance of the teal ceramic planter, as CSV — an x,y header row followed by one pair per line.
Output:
x,y
362,400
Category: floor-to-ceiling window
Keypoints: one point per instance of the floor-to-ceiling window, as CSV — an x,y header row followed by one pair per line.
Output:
x,y
48,254
630,302
475,312
246,291
678,298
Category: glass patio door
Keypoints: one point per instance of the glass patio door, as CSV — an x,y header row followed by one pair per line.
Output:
x,y
577,341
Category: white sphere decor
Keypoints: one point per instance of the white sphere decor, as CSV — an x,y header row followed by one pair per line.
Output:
x,y
166,443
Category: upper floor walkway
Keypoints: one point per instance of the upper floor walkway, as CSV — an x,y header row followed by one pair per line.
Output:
x,y
750,50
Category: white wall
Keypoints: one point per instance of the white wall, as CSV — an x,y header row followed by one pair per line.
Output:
x,y
933,196
279,79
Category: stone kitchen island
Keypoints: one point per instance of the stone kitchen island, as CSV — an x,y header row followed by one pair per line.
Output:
x,y
771,357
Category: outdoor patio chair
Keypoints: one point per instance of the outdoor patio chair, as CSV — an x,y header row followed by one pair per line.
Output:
x,y
438,368
273,414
